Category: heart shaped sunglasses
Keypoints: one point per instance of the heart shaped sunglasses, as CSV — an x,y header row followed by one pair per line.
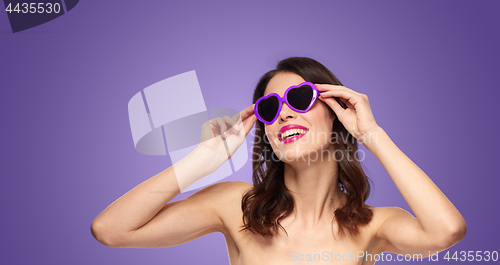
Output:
x,y
299,98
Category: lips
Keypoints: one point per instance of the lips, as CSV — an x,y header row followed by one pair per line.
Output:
x,y
289,127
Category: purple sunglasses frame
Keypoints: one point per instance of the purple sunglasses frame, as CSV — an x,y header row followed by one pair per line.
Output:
x,y
284,99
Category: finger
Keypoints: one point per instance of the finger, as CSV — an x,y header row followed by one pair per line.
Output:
x,y
222,126
247,112
327,94
350,98
346,102
242,116
330,101
212,128
328,87
343,100
248,124
357,103
238,123
231,124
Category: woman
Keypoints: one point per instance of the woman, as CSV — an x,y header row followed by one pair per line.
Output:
x,y
307,201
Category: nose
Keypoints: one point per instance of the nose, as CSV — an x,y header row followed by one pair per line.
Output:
x,y
286,113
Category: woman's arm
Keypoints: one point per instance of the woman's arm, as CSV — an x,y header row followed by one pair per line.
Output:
x,y
143,217
137,209
438,224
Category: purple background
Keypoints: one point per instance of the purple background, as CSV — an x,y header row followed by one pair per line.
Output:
x,y
429,68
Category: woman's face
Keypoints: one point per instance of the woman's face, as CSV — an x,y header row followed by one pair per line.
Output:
x,y
316,123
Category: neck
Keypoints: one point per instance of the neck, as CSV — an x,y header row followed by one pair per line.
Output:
x,y
314,186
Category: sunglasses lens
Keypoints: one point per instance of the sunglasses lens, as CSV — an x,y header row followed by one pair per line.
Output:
x,y
268,108
300,97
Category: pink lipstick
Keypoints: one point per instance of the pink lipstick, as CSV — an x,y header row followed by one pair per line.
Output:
x,y
292,138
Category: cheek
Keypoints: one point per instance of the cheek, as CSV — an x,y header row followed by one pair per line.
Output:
x,y
328,115
326,109
320,118
322,123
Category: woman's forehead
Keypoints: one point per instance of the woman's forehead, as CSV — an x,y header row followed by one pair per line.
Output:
x,y
280,82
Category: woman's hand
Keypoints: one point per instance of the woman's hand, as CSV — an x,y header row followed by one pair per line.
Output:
x,y
222,136
357,118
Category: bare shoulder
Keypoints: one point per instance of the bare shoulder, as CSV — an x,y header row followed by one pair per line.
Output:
x,y
382,214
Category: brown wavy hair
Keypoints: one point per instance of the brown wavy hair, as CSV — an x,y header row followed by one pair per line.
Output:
x,y
269,200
